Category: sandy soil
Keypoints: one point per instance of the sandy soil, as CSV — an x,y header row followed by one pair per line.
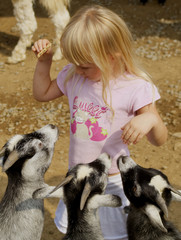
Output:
x,y
157,33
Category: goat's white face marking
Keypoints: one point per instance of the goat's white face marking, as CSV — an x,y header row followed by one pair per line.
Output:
x,y
83,172
51,135
159,183
13,141
106,160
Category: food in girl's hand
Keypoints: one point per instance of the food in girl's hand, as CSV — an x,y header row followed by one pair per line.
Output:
x,y
44,50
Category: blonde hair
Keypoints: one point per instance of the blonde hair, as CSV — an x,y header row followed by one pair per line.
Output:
x,y
94,34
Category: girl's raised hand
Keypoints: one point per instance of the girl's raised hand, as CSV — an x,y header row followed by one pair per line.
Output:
x,y
42,49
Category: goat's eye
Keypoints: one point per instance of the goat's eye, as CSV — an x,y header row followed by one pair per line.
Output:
x,y
40,145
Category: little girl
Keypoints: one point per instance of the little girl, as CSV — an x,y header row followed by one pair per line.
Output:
x,y
111,100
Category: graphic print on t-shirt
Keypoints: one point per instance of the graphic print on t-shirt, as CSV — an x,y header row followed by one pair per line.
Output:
x,y
85,121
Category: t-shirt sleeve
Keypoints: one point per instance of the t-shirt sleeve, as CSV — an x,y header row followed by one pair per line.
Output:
x,y
143,95
62,77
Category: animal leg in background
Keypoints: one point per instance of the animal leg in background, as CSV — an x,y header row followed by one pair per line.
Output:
x,y
26,23
59,15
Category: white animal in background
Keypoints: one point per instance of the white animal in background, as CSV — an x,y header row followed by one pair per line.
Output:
x,y
27,24
25,159
149,193
82,192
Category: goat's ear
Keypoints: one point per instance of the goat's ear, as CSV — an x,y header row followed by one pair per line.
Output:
x,y
176,194
1,161
58,190
2,151
153,214
85,194
63,183
161,203
154,195
12,158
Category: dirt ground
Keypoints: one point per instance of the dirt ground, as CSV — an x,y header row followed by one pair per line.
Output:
x,y
157,33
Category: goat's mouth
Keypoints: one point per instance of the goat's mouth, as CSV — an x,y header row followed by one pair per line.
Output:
x,y
125,162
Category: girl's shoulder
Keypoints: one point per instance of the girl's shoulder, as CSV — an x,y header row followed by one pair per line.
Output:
x,y
132,82
67,79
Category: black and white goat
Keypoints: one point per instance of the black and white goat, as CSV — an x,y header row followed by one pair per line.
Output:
x,y
149,193
27,24
25,159
82,192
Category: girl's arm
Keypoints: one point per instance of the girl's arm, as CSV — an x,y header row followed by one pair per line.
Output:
x,y
146,122
44,89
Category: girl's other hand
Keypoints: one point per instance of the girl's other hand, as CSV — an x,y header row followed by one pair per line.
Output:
x,y
39,46
138,127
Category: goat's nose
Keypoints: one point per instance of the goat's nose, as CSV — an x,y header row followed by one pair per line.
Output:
x,y
52,126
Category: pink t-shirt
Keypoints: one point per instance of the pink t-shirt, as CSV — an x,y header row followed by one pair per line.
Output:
x,y
92,128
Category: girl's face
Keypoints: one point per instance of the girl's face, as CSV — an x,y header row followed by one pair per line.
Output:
x,y
90,71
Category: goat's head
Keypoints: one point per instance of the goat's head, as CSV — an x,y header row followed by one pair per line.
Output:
x,y
81,181
29,154
147,189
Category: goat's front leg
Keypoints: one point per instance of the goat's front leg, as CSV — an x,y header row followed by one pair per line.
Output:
x,y
107,200
26,23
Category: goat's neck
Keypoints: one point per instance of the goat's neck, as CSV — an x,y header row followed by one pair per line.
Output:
x,y
83,224
19,190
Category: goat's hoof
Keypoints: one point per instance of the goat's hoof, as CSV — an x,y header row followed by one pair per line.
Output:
x,y
57,56
117,200
15,29
12,60
38,194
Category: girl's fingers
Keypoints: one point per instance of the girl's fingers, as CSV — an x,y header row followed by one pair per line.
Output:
x,y
139,137
126,135
131,136
39,45
36,47
33,48
44,50
42,44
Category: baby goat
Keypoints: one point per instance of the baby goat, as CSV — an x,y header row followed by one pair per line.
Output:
x,y
25,159
149,193
26,24
82,192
